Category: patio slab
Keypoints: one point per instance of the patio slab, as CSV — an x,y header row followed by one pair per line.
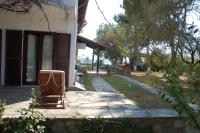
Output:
x,y
82,104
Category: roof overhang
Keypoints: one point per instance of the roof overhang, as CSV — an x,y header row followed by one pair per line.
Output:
x,y
90,43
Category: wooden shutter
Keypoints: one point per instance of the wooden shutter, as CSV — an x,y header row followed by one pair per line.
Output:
x,y
61,53
0,51
13,57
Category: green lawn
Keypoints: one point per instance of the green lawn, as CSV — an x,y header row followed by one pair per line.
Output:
x,y
139,96
157,80
86,79
154,79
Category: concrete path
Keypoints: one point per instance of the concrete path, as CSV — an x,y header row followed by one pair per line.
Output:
x,y
125,107
142,85
102,86
115,97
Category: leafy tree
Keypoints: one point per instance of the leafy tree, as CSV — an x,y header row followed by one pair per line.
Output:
x,y
178,101
112,36
189,45
156,59
162,20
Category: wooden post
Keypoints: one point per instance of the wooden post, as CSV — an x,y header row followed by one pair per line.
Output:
x,y
98,60
93,60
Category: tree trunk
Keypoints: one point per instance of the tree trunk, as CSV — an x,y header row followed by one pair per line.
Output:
x,y
125,61
121,60
173,52
132,63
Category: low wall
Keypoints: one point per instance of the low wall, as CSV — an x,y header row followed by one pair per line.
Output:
x,y
108,125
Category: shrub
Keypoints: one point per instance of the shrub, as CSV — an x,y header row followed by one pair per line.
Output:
x,y
178,101
2,107
100,125
29,121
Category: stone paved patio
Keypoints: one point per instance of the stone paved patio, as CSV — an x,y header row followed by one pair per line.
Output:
x,y
107,102
81,104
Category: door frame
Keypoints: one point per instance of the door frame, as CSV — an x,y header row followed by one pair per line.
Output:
x,y
39,48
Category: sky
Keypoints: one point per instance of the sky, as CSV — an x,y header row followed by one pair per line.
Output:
x,y
94,18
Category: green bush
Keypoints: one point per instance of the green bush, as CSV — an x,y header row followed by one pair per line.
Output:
x,y
2,107
194,78
178,101
99,125
29,121
33,99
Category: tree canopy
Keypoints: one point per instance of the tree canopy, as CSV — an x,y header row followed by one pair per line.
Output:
x,y
166,21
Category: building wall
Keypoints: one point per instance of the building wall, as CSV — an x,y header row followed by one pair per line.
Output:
x,y
60,20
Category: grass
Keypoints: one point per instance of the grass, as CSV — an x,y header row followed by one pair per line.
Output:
x,y
157,80
153,79
139,96
86,79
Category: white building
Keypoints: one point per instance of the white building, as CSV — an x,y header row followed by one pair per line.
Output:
x,y
29,42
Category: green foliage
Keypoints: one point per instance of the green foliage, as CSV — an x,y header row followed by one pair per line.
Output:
x,y
86,80
2,107
194,78
178,101
29,121
33,98
163,21
100,125
156,59
112,36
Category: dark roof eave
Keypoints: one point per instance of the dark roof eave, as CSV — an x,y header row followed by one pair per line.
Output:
x,y
90,43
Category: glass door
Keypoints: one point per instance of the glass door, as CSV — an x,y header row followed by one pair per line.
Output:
x,y
47,52
31,58
38,48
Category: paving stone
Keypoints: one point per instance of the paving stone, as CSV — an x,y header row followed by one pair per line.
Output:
x,y
83,103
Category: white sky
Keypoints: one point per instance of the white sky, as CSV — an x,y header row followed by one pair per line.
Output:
x,y
94,18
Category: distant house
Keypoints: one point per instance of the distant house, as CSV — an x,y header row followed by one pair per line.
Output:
x,y
28,44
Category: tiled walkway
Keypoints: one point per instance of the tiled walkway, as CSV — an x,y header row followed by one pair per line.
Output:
x,y
102,86
115,98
